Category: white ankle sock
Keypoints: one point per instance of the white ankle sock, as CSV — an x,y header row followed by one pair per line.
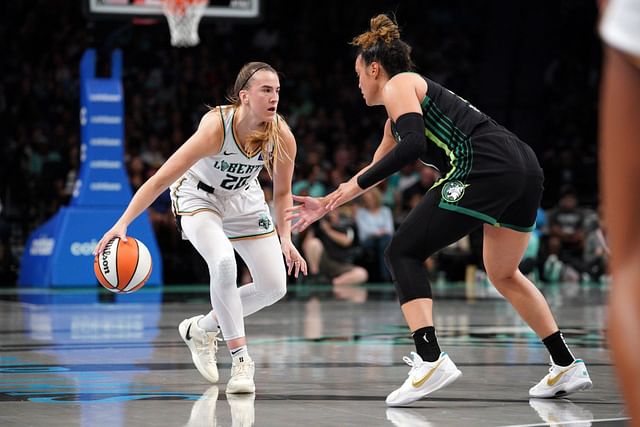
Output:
x,y
238,352
209,322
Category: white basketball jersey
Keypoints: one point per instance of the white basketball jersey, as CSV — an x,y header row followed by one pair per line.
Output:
x,y
232,169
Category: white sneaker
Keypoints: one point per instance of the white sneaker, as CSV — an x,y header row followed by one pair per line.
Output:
x,y
424,378
242,409
203,346
562,380
203,411
561,411
241,381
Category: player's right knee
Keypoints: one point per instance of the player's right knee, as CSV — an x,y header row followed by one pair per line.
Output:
x,y
406,294
391,254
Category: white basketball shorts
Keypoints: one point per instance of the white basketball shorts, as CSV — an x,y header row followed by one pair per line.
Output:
x,y
245,213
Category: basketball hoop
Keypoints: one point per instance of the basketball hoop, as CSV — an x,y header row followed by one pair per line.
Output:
x,y
183,17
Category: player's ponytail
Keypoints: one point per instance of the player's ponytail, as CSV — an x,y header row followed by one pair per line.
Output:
x,y
271,142
382,29
382,44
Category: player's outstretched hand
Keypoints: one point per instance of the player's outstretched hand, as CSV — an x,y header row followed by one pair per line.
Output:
x,y
344,193
116,231
307,212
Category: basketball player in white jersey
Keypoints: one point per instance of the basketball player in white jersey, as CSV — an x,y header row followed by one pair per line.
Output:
x,y
619,177
220,207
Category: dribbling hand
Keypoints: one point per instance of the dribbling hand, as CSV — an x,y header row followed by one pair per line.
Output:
x,y
116,231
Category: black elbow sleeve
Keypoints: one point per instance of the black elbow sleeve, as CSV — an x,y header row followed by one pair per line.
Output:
x,y
411,145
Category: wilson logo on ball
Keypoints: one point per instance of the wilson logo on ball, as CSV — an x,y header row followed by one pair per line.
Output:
x,y
123,267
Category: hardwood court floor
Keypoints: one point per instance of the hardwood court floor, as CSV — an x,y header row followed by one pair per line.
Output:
x,y
322,358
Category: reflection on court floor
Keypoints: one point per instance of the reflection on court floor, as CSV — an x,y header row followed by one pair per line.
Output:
x,y
324,357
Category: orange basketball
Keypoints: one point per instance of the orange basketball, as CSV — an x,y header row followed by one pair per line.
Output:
x,y
123,267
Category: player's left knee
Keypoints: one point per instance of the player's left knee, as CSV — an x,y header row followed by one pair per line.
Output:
x,y
274,291
273,296
279,292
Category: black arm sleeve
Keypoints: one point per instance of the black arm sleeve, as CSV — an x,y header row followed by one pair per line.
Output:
x,y
412,143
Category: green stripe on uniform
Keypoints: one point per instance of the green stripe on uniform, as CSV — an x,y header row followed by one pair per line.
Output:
x,y
484,217
459,143
470,212
249,236
448,152
518,228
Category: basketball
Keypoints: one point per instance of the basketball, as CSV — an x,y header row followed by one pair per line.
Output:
x,y
123,267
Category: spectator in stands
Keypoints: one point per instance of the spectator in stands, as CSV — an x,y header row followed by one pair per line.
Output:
x,y
137,170
312,182
329,250
152,152
596,252
407,177
375,228
426,177
566,235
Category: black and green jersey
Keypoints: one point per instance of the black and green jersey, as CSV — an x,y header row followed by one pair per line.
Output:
x,y
463,140
486,171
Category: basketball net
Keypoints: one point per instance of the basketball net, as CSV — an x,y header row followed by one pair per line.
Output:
x,y
183,17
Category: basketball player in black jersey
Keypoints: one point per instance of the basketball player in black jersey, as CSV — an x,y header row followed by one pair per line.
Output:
x,y
490,179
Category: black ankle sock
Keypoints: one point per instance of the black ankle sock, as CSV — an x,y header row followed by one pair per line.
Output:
x,y
558,349
427,343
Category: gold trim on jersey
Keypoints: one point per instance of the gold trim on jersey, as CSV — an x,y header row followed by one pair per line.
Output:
x,y
174,199
236,139
224,129
175,209
197,211
253,236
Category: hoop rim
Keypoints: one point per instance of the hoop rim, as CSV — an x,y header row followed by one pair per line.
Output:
x,y
179,7
97,10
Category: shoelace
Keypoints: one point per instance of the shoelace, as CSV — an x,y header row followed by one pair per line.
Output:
x,y
241,369
554,366
212,345
409,362
557,369
208,341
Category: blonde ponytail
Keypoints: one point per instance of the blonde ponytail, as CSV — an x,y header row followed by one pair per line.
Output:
x,y
270,141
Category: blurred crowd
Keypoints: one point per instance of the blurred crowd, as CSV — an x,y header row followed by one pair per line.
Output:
x,y
536,73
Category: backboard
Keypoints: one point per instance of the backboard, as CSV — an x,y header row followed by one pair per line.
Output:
x,y
153,8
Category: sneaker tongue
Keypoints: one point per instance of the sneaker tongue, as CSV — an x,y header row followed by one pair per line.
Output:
x,y
417,360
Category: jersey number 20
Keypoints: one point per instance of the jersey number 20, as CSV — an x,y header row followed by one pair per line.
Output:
x,y
233,182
